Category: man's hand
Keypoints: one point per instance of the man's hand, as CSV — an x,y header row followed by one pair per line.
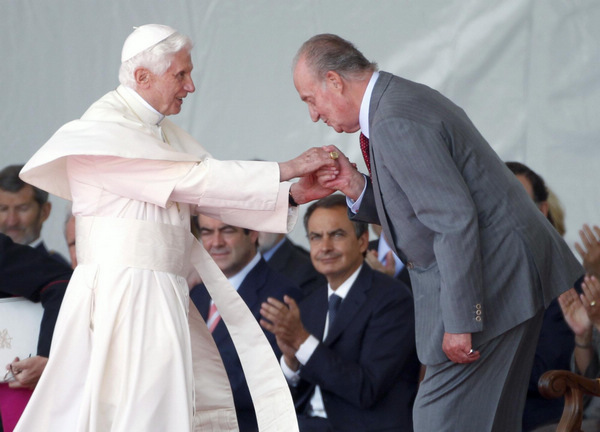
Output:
x,y
308,188
283,320
348,180
458,348
312,160
390,265
589,249
575,314
27,372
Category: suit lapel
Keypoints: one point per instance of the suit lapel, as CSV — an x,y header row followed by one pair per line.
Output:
x,y
282,255
378,90
253,284
313,311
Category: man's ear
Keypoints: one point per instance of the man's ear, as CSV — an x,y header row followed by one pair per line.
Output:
x,y
363,242
45,211
334,81
142,77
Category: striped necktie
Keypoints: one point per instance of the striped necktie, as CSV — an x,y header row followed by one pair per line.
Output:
x,y
213,317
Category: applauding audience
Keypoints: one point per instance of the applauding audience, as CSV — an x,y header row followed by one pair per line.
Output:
x,y
582,313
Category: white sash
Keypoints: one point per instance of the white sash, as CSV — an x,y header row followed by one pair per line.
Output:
x,y
162,247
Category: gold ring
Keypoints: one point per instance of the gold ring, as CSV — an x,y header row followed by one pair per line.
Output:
x,y
334,155
593,303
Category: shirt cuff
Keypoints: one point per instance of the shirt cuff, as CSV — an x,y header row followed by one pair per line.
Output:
x,y
355,205
292,377
307,349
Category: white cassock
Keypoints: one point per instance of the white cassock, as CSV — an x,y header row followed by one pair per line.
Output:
x,y
123,357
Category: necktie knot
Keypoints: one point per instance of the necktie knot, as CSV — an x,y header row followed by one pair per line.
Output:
x,y
364,148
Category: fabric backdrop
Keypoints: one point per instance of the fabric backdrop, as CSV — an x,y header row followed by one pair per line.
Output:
x,y
526,72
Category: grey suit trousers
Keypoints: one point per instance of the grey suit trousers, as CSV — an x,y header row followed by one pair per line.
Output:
x,y
487,395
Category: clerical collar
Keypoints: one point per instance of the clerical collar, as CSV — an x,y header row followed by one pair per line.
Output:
x,y
363,117
143,109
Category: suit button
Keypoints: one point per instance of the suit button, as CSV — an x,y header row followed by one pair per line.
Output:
x,y
478,306
478,312
410,265
477,318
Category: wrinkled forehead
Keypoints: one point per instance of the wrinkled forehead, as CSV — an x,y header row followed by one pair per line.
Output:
x,y
306,82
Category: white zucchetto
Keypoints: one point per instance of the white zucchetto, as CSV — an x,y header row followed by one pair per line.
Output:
x,y
143,38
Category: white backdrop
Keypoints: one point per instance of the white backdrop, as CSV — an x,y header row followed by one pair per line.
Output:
x,y
526,71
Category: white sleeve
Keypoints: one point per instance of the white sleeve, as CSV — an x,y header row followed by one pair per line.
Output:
x,y
242,193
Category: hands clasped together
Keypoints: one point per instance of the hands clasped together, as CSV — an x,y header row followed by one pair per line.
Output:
x,y
26,372
283,320
322,171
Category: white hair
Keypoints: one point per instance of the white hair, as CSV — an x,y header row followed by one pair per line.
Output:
x,y
156,59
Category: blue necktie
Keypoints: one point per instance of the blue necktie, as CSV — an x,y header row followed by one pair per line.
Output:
x,y
334,304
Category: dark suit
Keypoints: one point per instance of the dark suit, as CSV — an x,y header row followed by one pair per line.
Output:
x,y
294,262
367,366
554,351
403,276
52,254
30,273
261,282
482,257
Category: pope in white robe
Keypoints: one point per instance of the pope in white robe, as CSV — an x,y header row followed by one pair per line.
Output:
x,y
123,356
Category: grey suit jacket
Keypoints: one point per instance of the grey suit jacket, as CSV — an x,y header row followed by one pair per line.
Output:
x,y
481,256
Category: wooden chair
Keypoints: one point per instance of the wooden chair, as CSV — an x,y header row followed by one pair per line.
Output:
x,y
557,383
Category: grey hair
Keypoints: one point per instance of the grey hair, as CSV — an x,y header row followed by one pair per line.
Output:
x,y
157,59
328,52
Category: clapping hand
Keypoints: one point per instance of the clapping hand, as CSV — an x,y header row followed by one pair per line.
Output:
x,y
283,320
582,311
575,313
373,260
589,249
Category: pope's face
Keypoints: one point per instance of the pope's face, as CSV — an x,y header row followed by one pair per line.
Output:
x,y
326,100
21,217
169,89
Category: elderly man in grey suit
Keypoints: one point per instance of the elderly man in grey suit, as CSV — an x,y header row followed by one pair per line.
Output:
x,y
483,261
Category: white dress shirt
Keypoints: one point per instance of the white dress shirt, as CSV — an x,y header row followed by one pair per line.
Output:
x,y
363,119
